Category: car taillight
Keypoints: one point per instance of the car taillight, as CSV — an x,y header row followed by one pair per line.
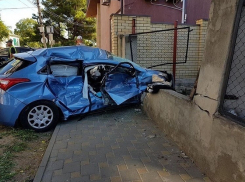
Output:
x,y
6,83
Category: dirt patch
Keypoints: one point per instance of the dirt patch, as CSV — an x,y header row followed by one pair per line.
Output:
x,y
5,141
26,156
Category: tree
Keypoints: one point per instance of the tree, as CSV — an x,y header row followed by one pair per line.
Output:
x,y
28,31
68,16
4,31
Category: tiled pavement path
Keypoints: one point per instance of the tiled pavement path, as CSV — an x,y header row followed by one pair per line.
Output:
x,y
123,145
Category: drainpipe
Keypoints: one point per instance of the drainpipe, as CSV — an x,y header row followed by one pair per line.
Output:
x,y
175,49
183,12
121,7
110,35
133,26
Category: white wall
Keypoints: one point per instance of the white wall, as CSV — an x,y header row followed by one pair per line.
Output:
x,y
16,41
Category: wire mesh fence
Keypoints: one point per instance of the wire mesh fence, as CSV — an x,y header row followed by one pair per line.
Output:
x,y
156,50
233,103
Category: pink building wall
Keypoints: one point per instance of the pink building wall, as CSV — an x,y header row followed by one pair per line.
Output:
x,y
195,9
105,13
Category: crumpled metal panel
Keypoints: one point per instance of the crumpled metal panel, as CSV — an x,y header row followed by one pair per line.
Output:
x,y
74,53
67,91
121,87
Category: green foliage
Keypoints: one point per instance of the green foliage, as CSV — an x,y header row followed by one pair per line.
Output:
x,y
21,134
28,31
6,164
6,160
35,44
17,147
4,31
24,135
68,16
19,144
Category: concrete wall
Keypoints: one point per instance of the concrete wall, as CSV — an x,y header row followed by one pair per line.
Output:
x,y
216,144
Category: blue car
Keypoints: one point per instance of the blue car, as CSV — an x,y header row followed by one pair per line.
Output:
x,y
38,88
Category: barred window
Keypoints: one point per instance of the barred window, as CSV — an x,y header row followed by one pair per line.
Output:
x,y
233,98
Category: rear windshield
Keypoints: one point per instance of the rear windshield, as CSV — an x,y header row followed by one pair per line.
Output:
x,y
13,66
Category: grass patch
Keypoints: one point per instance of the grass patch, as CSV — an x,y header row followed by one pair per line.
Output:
x,y
22,134
2,146
17,147
6,160
25,135
19,144
6,164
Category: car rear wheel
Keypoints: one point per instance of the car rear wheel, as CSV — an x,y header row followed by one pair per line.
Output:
x,y
40,116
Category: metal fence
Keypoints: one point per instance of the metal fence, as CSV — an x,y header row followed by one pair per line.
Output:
x,y
159,44
162,49
233,97
156,50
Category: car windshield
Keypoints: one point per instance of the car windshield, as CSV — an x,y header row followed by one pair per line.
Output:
x,y
13,66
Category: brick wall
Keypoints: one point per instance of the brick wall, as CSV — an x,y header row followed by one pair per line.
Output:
x,y
156,48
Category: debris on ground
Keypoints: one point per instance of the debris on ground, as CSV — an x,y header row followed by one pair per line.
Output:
x,y
183,155
137,110
160,157
152,136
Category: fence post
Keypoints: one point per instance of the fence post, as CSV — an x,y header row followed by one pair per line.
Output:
x,y
175,49
133,26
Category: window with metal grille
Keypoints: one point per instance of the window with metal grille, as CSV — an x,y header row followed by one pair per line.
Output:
x,y
233,97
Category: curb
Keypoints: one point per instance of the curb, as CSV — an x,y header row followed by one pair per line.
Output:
x,y
42,166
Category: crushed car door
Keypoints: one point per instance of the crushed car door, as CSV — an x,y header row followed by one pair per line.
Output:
x,y
66,83
121,83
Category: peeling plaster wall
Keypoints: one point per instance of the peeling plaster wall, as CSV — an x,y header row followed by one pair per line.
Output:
x,y
222,15
216,144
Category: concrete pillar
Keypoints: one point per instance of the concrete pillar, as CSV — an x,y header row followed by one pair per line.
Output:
x,y
218,40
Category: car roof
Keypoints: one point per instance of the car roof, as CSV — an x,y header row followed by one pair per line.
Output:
x,y
72,53
4,51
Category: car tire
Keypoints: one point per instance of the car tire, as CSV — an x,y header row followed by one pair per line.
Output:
x,y
40,116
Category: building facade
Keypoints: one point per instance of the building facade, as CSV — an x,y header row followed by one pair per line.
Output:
x,y
15,38
159,11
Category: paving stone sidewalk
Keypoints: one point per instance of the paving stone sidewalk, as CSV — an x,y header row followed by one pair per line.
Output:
x,y
121,145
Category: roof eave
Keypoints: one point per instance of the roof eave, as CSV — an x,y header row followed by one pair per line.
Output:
x,y
92,8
